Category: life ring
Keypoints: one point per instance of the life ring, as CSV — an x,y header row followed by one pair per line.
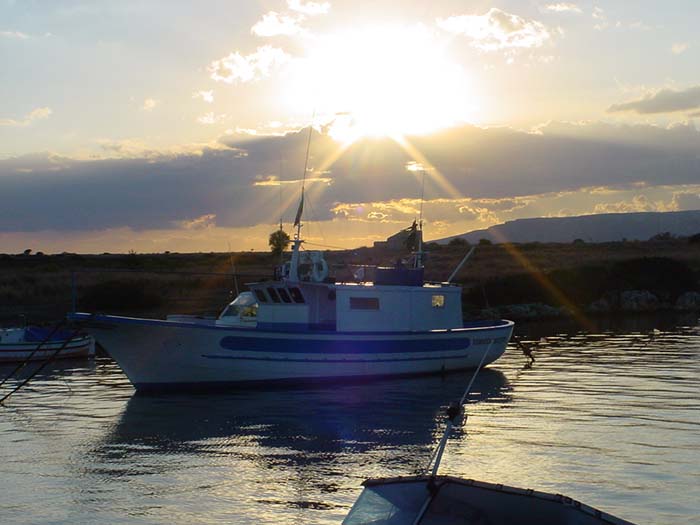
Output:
x,y
319,270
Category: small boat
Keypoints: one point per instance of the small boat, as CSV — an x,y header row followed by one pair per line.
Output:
x,y
38,344
447,500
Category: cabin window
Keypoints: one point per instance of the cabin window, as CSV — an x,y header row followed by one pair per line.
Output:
x,y
273,295
260,295
364,303
438,301
296,295
284,295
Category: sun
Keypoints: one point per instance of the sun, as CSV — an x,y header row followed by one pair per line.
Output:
x,y
385,80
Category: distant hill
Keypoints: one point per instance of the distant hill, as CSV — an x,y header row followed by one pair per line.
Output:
x,y
591,228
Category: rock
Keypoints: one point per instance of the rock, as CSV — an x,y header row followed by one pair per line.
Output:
x,y
638,301
529,311
601,306
688,301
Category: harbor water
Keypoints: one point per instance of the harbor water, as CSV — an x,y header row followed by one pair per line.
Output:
x,y
610,417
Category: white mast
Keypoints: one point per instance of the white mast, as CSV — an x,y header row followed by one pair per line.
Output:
x,y
294,265
419,254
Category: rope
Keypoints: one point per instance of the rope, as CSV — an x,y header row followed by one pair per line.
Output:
x,y
325,245
437,453
42,366
22,364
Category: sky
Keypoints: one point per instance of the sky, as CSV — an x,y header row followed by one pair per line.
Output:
x,y
182,126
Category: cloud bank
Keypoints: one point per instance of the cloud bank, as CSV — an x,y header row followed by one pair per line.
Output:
x,y
662,101
497,30
237,183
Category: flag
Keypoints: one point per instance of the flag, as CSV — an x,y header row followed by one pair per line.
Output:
x,y
297,219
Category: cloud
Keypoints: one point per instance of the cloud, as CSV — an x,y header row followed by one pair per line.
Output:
x,y
679,47
497,30
686,201
564,7
35,114
499,169
239,68
211,118
601,18
638,203
14,34
206,96
677,137
662,101
203,222
275,24
149,104
309,8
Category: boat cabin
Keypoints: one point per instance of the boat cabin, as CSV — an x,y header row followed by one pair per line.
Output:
x,y
397,300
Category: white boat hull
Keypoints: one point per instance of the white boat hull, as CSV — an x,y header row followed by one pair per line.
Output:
x,y
156,354
83,346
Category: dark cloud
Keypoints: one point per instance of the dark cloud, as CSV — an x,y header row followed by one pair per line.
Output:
x,y
663,101
217,185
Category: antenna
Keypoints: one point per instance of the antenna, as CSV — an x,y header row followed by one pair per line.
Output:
x,y
420,216
419,254
279,181
297,220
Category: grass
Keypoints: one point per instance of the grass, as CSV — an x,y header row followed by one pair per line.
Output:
x,y
138,284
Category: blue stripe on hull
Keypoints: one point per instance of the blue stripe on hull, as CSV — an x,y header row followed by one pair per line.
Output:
x,y
383,360
329,346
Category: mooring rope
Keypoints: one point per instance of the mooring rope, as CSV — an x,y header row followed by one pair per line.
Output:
x,y
22,364
43,365
454,412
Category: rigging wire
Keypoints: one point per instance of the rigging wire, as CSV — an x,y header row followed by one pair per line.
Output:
x,y
453,417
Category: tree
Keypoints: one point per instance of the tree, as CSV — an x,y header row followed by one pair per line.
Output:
x,y
485,242
279,240
458,241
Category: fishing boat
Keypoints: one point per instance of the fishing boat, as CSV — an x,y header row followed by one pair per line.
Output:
x,y
34,343
303,325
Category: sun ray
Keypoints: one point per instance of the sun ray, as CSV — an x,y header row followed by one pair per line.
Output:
x,y
433,173
545,282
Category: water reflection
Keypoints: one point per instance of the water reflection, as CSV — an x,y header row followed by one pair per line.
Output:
x,y
312,424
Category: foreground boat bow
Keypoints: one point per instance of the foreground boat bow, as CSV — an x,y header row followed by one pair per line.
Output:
x,y
446,500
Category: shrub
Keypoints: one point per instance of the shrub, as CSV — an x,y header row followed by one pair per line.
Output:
x,y
458,241
120,295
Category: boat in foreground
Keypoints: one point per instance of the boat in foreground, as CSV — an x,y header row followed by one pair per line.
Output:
x,y
447,500
39,344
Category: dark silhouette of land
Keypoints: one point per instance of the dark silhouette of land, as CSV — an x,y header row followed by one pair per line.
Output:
x,y
558,275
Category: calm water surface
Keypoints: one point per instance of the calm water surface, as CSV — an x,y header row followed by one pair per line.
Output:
x,y
611,418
